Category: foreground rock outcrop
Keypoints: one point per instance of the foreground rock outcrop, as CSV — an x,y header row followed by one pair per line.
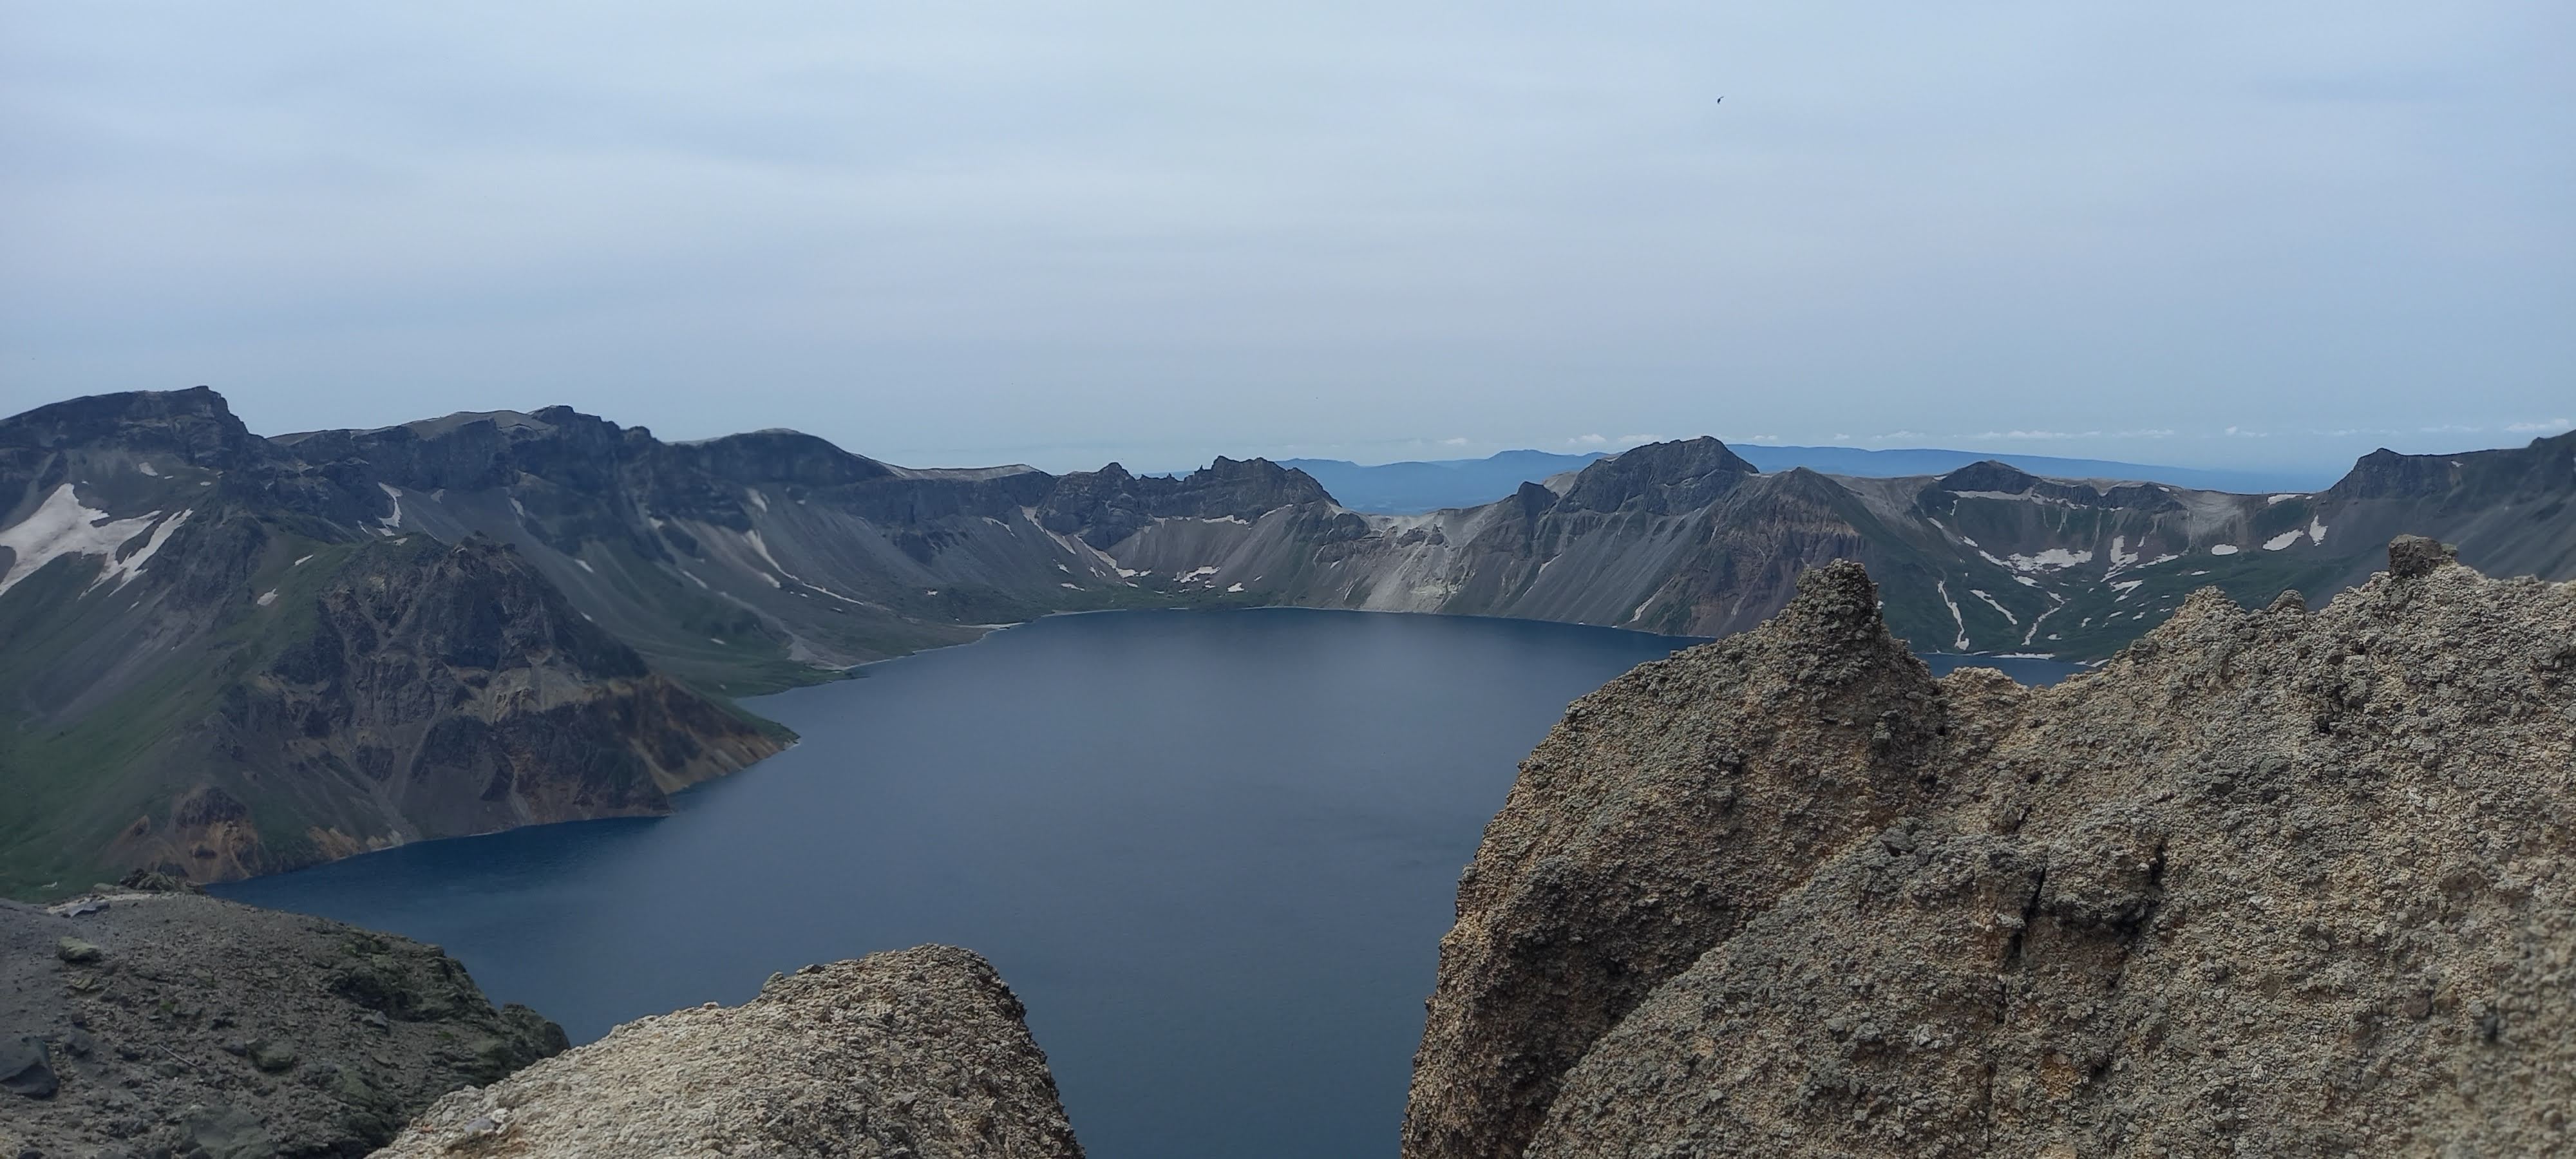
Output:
x,y
2270,882
918,1053
156,1021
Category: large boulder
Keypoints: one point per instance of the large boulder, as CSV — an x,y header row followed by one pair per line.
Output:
x,y
919,1053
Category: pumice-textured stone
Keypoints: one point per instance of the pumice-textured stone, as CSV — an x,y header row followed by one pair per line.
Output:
x,y
920,1053
2272,882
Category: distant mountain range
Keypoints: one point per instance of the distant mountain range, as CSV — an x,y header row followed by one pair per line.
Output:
x,y
1414,487
222,654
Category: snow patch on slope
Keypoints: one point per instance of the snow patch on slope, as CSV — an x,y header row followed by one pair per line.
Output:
x,y
2053,559
2017,497
2042,618
124,570
62,525
1943,587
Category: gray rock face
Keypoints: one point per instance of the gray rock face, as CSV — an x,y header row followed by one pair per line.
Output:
x,y
2270,882
216,660
27,1068
1646,828
197,1026
919,1053
2413,555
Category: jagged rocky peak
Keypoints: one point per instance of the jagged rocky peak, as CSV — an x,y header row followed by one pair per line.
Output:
x,y
2546,467
1663,812
2267,882
1532,500
921,1052
2385,474
1251,486
1106,506
1660,478
194,425
487,449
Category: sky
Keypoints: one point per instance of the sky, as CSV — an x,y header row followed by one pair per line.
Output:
x,y
2278,234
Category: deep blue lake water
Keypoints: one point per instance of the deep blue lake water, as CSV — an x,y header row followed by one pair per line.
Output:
x,y
1214,853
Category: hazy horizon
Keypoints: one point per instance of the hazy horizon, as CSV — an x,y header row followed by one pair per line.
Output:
x,y
1065,459
2199,236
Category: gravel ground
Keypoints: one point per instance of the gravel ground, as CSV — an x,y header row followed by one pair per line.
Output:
x,y
163,1022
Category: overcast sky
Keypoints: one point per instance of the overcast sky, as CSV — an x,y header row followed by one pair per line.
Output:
x,y
948,233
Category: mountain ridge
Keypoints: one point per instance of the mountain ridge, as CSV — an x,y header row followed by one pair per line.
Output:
x,y
139,524
1414,487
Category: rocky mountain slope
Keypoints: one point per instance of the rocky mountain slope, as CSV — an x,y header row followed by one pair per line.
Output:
x,y
157,1022
2280,882
919,1053
1687,538
211,664
163,563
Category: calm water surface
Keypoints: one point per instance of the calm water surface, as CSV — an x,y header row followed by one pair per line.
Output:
x,y
1213,852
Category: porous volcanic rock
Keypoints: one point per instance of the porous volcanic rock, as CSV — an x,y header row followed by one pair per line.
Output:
x,y
2270,882
918,1053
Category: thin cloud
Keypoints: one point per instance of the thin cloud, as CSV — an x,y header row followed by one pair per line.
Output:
x,y
703,223
2543,427
1588,440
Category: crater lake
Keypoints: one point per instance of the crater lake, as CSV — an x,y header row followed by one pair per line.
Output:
x,y
1213,852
